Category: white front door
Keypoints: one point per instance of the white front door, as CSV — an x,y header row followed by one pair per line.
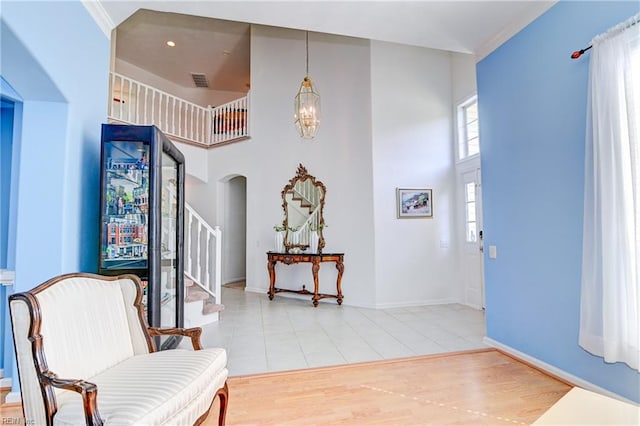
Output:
x,y
472,258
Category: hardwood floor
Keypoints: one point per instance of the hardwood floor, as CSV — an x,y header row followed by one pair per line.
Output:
x,y
483,387
473,388
9,413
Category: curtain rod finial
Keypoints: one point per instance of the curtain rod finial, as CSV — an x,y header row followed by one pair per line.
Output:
x,y
578,53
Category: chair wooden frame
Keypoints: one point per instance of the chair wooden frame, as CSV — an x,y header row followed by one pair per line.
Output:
x,y
89,391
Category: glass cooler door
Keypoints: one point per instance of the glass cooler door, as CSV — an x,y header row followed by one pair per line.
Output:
x,y
169,315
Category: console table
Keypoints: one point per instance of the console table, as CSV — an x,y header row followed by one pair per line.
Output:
x,y
315,260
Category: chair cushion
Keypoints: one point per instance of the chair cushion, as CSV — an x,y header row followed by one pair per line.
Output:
x,y
167,387
84,316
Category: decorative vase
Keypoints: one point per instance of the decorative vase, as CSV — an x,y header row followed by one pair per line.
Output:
x,y
314,239
294,237
279,242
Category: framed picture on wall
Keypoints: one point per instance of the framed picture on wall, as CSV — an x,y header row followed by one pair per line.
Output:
x,y
414,202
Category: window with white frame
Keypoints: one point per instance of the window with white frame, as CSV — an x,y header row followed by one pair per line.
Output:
x,y
471,223
468,130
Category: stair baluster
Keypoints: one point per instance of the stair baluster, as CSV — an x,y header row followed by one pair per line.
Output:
x,y
203,276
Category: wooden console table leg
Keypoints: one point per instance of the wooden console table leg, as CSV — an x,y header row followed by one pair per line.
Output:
x,y
315,268
272,278
340,268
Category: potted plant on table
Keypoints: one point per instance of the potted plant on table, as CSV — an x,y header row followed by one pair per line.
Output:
x,y
314,238
279,239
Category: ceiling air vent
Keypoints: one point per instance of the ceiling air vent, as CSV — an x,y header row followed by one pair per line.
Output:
x,y
199,79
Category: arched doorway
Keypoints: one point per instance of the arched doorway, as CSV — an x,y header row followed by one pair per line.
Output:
x,y
234,240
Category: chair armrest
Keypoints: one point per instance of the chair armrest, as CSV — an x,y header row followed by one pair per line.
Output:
x,y
193,333
88,391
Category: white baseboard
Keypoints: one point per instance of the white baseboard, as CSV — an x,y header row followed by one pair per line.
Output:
x,y
233,280
13,397
256,290
5,382
575,380
429,302
303,297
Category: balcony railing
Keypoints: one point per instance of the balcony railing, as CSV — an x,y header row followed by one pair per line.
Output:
x,y
230,121
133,102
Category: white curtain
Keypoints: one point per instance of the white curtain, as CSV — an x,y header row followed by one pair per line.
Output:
x,y
610,299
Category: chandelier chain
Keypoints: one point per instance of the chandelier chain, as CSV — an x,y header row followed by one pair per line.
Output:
x,y
307,53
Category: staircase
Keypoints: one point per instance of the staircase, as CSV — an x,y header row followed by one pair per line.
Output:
x,y
305,200
133,102
202,275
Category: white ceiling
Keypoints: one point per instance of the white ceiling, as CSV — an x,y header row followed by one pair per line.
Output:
x,y
475,27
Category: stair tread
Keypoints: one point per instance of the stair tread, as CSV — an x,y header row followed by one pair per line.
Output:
x,y
210,308
194,294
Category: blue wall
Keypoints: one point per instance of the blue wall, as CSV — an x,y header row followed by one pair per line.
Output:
x,y
532,100
6,144
11,110
56,59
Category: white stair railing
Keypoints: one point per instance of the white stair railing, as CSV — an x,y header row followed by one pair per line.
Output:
x,y
203,254
230,121
133,102
303,234
308,192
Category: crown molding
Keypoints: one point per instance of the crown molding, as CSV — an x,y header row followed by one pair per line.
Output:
x,y
513,28
100,15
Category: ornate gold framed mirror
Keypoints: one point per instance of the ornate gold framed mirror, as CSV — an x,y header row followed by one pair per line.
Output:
x,y
303,204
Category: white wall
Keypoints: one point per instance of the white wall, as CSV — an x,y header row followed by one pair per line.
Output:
x,y
234,237
197,95
340,156
196,161
197,192
412,137
387,122
463,76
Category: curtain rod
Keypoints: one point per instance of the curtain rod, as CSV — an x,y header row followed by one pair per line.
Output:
x,y
578,53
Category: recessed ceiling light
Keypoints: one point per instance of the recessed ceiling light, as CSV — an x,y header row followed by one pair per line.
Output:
x,y
226,52
171,43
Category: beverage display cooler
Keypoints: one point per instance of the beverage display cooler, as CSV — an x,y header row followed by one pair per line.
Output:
x,y
141,218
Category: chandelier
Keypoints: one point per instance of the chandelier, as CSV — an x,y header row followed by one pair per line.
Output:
x,y
307,106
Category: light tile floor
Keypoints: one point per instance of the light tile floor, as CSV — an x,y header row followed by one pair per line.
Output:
x,y
289,333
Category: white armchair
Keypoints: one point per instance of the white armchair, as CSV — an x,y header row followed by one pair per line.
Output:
x,y
86,355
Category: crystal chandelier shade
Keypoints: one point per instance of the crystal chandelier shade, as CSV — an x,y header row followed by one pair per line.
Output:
x,y
307,106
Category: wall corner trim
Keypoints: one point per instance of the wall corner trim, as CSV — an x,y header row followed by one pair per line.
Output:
x,y
100,15
512,29
7,277
575,380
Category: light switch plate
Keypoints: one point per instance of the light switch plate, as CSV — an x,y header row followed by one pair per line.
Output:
x,y
493,253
